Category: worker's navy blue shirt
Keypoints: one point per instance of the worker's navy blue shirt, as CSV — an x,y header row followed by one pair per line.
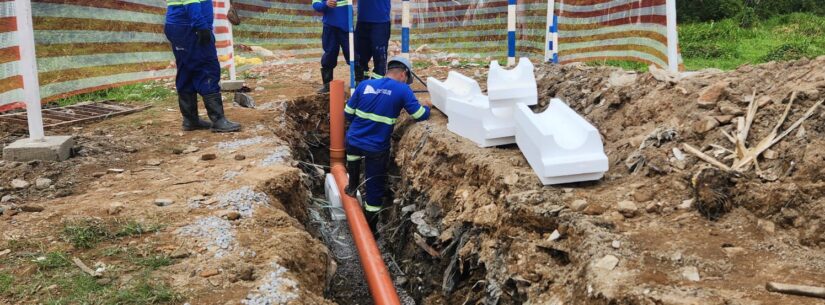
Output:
x,y
374,11
337,16
198,14
373,110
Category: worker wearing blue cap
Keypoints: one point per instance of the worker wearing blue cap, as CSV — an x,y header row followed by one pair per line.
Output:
x,y
372,111
189,29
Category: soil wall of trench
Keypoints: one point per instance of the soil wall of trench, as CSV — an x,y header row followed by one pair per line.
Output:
x,y
474,226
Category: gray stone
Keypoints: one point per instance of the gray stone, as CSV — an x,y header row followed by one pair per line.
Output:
x,y
578,205
162,202
628,208
115,208
116,170
691,273
19,184
608,262
43,183
8,198
179,253
154,162
767,226
616,244
687,204
52,148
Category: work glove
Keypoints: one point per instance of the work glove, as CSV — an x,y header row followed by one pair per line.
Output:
x,y
204,37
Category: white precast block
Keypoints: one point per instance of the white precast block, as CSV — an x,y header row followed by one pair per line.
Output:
x,y
336,208
475,120
560,145
512,86
456,86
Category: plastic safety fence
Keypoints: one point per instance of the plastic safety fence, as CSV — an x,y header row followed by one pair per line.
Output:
x,y
598,30
11,82
469,28
89,45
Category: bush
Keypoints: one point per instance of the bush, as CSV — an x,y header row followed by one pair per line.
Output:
x,y
788,51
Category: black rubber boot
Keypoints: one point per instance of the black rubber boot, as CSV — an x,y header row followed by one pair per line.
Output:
x,y
359,73
326,76
214,107
372,220
188,103
354,170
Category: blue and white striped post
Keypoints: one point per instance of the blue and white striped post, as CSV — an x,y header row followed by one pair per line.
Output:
x,y
511,32
405,28
351,47
551,53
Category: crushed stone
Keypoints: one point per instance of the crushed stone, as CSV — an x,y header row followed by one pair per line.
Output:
x,y
231,175
242,200
214,233
240,143
275,289
280,155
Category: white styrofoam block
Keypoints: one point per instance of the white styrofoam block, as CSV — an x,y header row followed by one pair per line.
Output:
x,y
336,209
559,144
486,126
514,86
455,86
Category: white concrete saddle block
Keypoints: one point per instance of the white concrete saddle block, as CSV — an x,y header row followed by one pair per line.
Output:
x,y
455,86
475,120
560,145
514,86
336,211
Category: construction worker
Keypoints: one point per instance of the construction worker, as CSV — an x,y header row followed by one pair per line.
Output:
x,y
372,36
372,111
334,37
189,29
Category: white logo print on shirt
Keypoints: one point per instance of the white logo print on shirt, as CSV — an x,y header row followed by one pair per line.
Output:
x,y
370,90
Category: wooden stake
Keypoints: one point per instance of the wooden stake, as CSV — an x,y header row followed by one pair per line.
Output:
x,y
808,291
83,266
705,157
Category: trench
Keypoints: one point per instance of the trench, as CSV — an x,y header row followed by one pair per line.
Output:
x,y
430,263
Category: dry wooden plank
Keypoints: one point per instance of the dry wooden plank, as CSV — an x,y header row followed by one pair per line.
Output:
x,y
773,139
705,157
801,290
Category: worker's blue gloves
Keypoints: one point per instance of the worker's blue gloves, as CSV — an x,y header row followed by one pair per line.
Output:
x,y
204,37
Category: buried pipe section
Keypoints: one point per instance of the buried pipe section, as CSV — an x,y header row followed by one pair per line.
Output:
x,y
378,277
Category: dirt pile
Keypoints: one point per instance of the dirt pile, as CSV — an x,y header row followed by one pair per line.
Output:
x,y
635,237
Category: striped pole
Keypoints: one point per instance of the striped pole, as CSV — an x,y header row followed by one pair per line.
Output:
x,y
232,70
672,37
351,47
28,69
405,28
511,32
550,46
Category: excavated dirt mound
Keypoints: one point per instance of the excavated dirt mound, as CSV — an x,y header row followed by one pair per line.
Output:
x,y
636,236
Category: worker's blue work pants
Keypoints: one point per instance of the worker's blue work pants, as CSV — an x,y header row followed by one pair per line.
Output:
x,y
371,40
333,39
198,68
375,172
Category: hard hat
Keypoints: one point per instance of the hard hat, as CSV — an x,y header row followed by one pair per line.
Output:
x,y
406,62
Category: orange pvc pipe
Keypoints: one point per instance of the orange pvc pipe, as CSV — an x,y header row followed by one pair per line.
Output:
x,y
378,277
337,152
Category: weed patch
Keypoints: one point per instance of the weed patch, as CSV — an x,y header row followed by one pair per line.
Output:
x,y
140,92
134,228
52,260
6,280
84,234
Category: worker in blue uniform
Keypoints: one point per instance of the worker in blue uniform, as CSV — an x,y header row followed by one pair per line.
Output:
x,y
189,29
372,36
372,111
334,37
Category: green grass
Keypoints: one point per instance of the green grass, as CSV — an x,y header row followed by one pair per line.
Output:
x,y
727,45
5,282
52,260
134,228
152,262
85,233
139,92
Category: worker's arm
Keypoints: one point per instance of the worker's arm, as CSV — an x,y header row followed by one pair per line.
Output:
x,y
416,110
318,5
197,19
352,103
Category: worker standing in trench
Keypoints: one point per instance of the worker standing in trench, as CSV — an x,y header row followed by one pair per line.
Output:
x,y
372,111
372,37
334,37
188,27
